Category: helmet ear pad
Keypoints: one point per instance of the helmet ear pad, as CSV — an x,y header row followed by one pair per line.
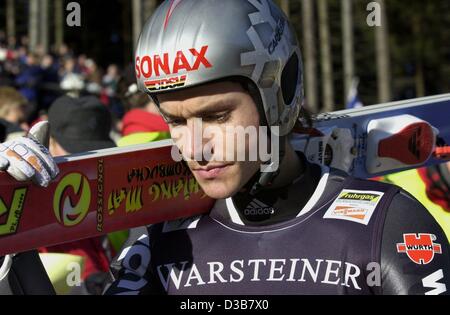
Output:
x,y
253,91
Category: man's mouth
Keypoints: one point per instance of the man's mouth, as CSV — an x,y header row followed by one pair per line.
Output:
x,y
210,171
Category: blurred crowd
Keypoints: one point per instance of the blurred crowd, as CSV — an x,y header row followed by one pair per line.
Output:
x,y
30,81
89,108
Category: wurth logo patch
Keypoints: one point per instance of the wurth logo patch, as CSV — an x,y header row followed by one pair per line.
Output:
x,y
420,248
168,64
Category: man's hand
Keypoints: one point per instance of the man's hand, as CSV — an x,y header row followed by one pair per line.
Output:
x,y
26,158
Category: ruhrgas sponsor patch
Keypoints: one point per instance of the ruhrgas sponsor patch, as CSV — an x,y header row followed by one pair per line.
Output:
x,y
354,205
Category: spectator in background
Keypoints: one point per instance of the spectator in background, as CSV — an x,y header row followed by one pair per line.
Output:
x,y
111,79
109,92
21,55
141,125
81,65
10,67
71,82
49,87
29,78
142,122
24,41
93,77
14,111
12,42
64,52
81,125
4,75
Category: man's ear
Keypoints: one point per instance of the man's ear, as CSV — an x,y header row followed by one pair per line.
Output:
x,y
55,148
52,146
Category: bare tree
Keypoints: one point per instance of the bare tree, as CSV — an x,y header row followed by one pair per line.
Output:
x,y
310,54
325,57
137,19
141,10
33,24
347,44
419,77
149,8
10,18
382,53
59,22
43,27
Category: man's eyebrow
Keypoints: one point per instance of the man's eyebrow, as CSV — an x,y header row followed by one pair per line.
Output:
x,y
212,108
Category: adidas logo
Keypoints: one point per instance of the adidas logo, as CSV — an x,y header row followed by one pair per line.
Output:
x,y
256,207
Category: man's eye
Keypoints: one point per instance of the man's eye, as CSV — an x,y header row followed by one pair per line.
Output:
x,y
217,118
176,122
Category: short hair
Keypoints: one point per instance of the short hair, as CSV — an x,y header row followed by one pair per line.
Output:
x,y
10,98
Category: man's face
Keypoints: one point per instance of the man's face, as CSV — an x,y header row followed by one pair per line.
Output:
x,y
17,114
221,106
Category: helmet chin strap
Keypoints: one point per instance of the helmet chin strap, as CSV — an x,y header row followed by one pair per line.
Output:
x,y
265,179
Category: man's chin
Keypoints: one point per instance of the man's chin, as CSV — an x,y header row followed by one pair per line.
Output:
x,y
216,190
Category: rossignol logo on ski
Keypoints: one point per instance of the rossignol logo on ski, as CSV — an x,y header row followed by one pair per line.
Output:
x,y
13,211
72,199
420,248
354,205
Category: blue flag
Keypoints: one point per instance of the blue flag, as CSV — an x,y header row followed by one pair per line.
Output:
x,y
353,100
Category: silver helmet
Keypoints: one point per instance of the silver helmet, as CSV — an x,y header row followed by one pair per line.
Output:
x,y
192,42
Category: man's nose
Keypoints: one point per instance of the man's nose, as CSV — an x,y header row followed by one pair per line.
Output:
x,y
193,148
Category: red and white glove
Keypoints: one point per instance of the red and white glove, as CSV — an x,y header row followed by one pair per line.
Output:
x,y
26,158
